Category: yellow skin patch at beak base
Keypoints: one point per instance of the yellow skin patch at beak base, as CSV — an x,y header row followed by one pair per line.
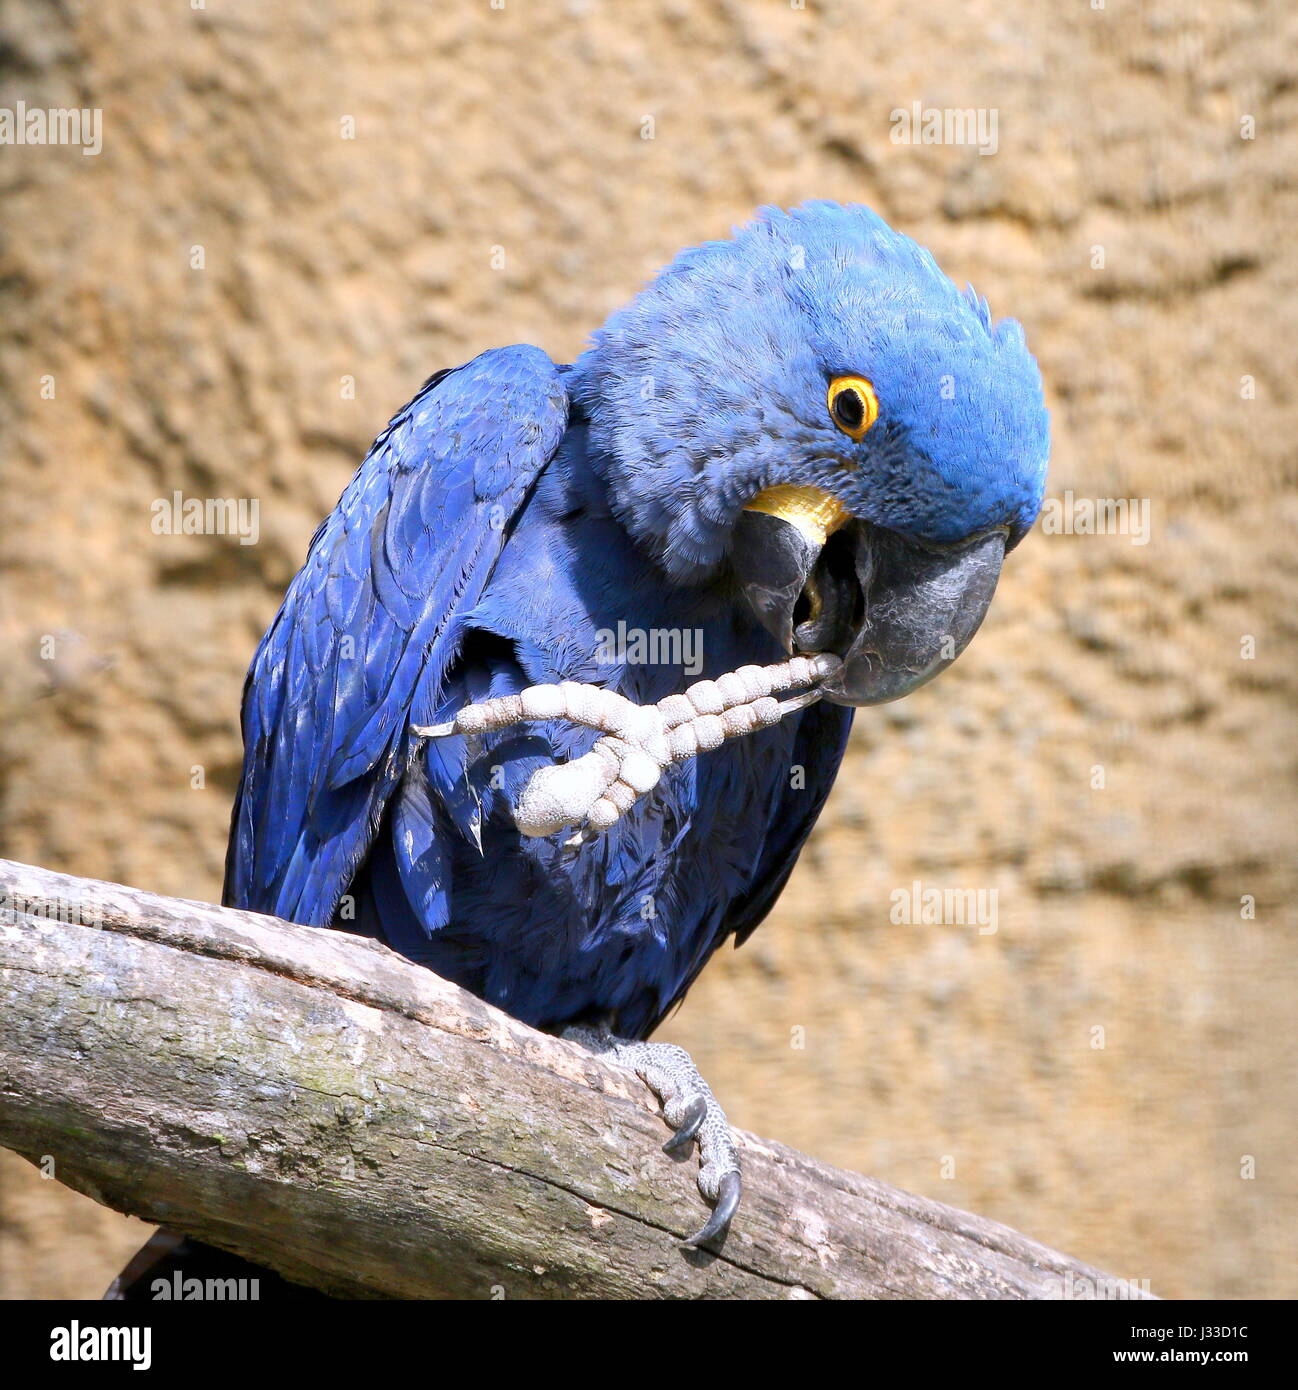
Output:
x,y
813,511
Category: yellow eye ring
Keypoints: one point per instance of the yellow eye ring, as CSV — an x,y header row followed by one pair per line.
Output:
x,y
853,406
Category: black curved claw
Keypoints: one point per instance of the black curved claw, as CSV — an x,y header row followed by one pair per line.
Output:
x,y
696,1112
727,1202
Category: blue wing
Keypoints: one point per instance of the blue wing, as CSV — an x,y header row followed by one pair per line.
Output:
x,y
371,625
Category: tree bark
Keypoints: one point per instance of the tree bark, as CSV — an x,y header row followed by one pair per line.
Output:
x,y
320,1105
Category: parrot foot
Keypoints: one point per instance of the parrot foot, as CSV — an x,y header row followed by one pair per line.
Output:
x,y
690,1107
639,741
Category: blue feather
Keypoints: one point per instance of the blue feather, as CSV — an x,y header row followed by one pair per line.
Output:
x,y
516,510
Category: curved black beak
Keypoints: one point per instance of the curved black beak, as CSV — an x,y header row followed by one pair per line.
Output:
x,y
896,611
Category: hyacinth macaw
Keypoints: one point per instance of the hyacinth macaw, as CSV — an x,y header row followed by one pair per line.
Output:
x,y
802,439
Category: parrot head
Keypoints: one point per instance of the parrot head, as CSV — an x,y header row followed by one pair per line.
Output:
x,y
813,412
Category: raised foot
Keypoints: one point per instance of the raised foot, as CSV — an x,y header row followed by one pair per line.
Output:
x,y
639,743
690,1108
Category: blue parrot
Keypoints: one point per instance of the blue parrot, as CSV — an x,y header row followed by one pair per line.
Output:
x,y
805,438
802,439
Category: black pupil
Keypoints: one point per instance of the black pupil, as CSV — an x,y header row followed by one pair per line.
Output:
x,y
849,409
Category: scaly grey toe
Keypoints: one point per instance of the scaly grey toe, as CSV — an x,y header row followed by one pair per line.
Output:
x,y
690,1108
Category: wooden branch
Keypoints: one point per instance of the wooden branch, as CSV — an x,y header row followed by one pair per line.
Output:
x,y
315,1102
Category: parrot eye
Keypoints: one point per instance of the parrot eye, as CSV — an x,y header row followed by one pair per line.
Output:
x,y
853,405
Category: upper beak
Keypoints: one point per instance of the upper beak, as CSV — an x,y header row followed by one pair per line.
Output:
x,y
896,611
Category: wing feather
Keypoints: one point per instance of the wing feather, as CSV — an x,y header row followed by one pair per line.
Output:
x,y
368,631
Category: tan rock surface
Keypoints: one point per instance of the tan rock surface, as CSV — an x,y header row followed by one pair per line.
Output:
x,y
963,1065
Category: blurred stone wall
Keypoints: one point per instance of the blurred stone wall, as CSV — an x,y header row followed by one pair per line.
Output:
x,y
296,197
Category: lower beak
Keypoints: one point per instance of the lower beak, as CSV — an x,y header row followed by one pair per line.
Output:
x,y
897,612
